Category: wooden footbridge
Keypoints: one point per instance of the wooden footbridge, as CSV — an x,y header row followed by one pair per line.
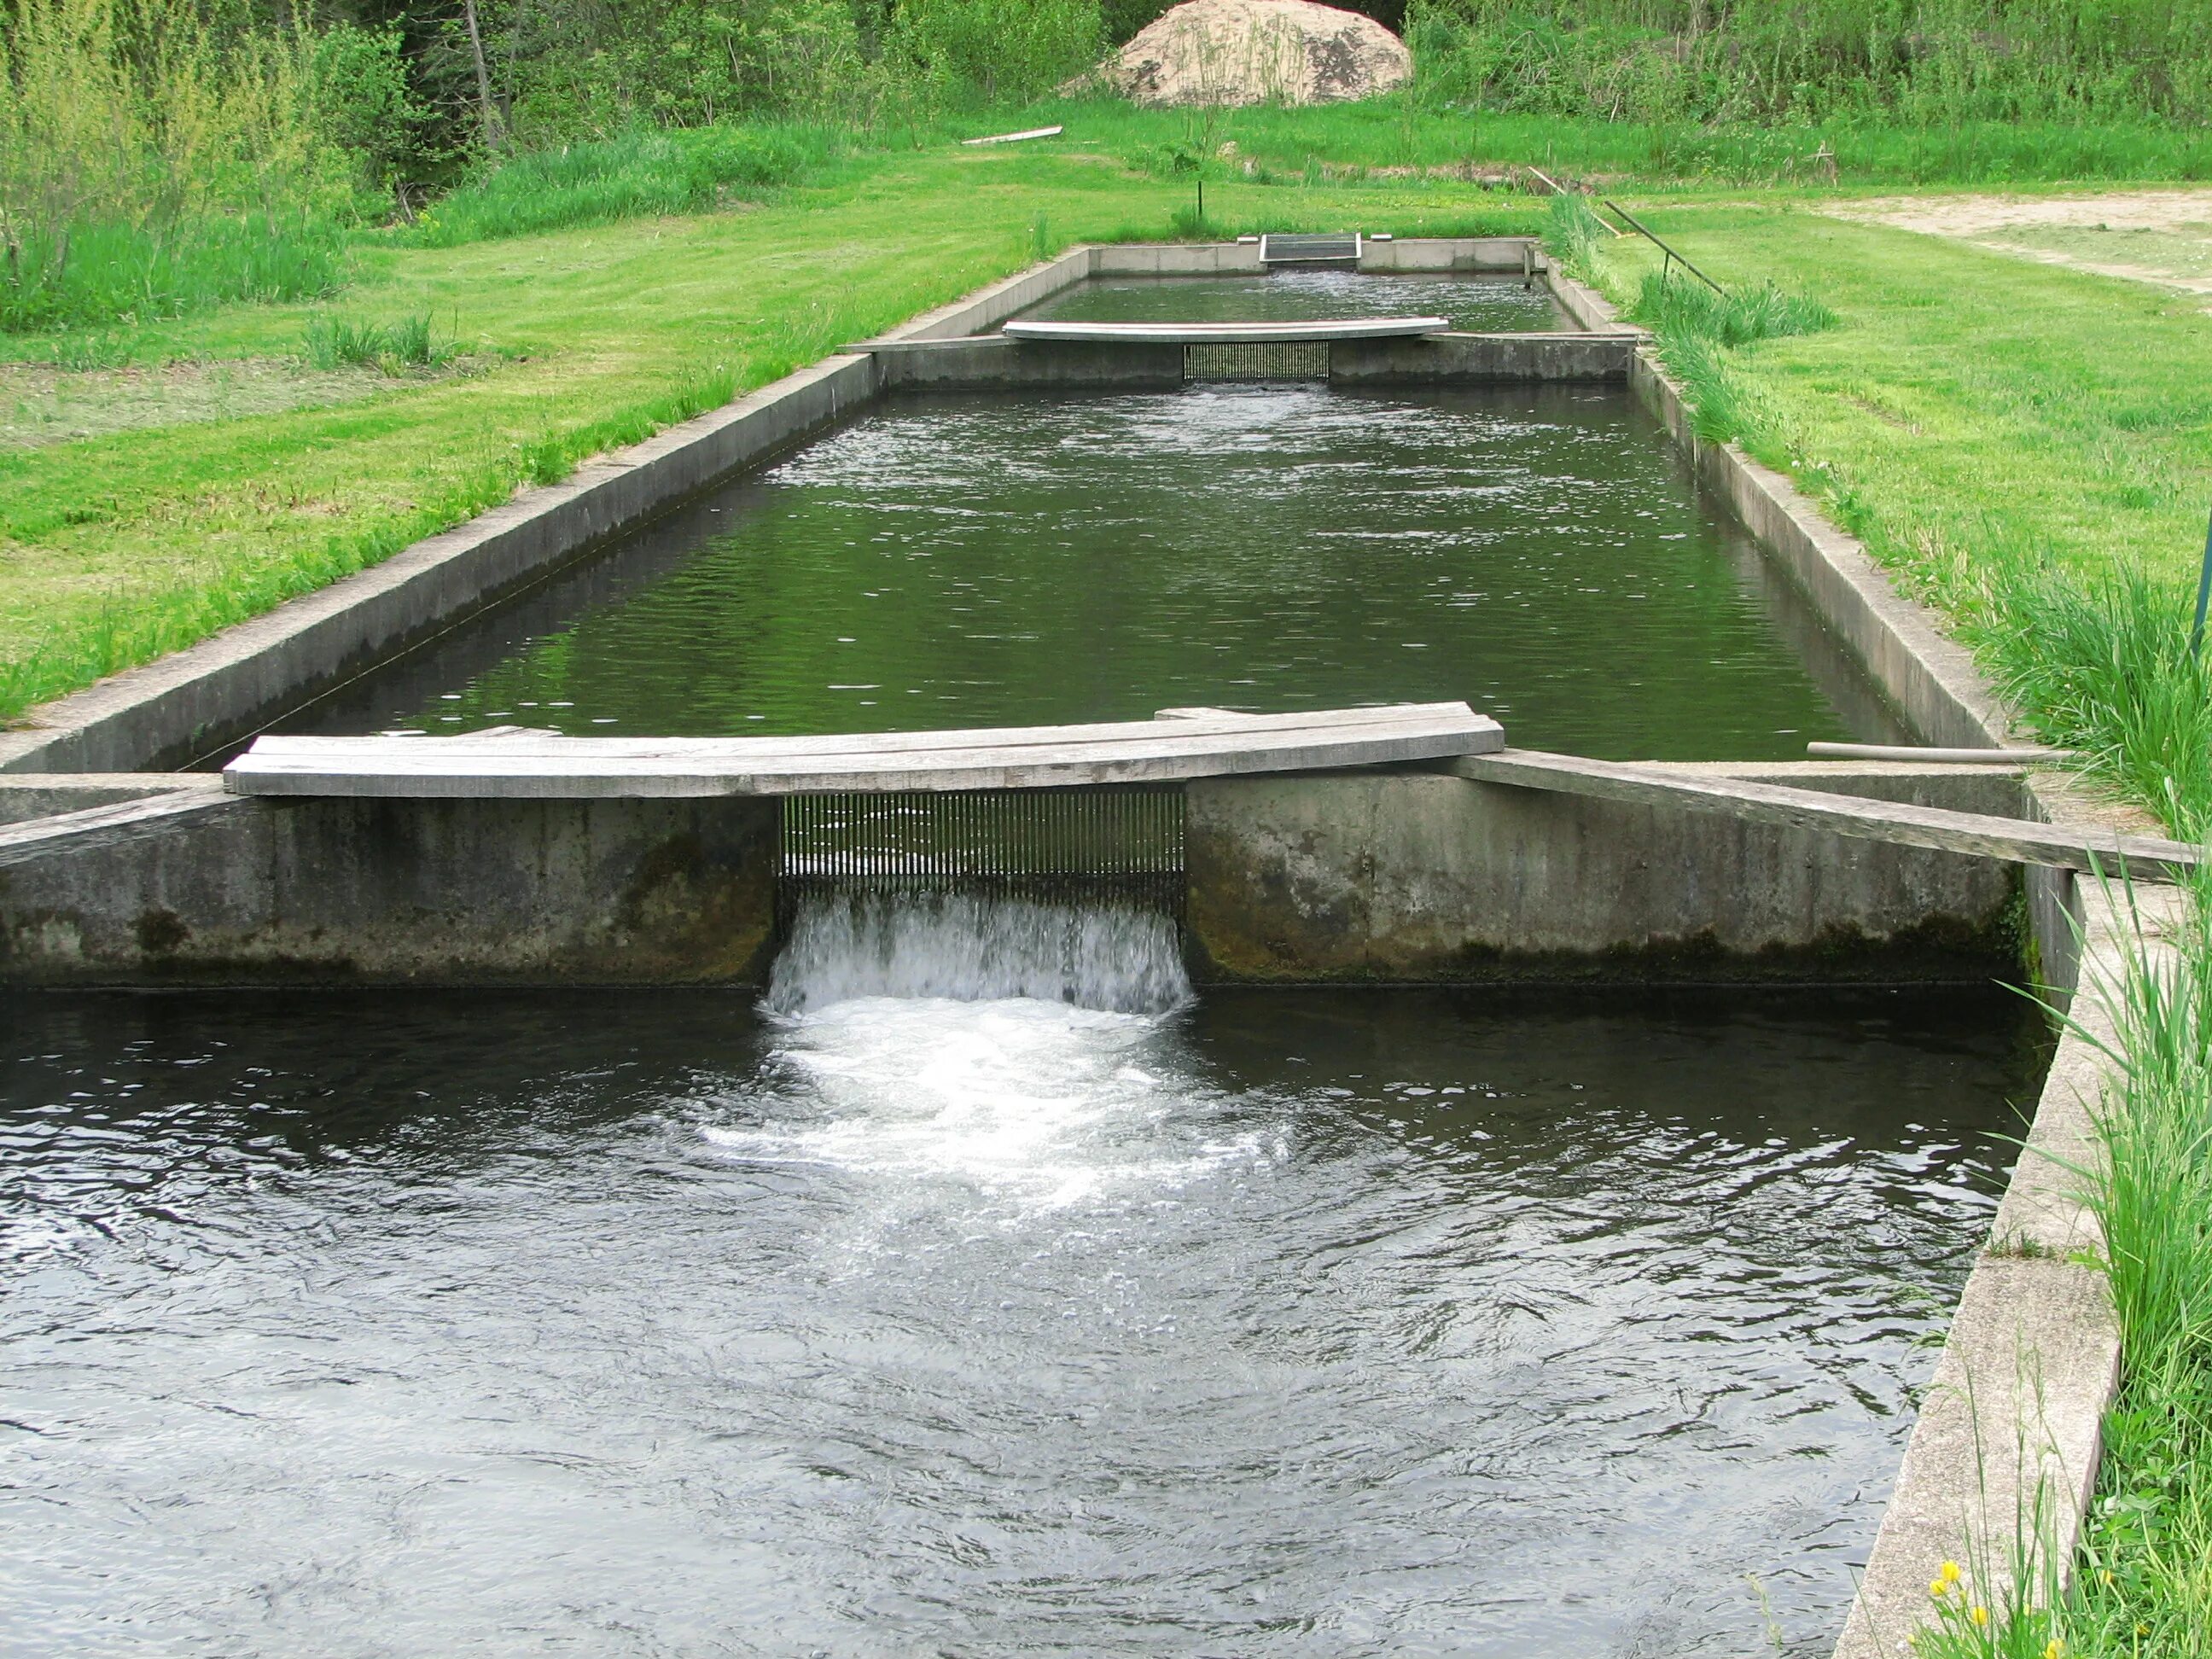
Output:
x,y
1318,332
1178,745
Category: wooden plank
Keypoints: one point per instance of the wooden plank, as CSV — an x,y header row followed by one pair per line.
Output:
x,y
1923,753
117,823
1014,137
2015,841
1350,328
1215,722
539,765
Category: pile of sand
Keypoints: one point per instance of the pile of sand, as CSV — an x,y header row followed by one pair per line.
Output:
x,y
1258,52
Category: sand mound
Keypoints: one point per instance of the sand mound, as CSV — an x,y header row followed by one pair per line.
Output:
x,y
1257,51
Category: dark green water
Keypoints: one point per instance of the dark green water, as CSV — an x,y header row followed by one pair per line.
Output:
x,y
979,562
1477,305
1319,1325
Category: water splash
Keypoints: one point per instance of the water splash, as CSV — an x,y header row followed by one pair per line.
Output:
x,y
968,947
1032,1106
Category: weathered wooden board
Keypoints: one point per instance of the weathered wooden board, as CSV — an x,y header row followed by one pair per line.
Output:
x,y
543,765
2017,841
1351,328
116,824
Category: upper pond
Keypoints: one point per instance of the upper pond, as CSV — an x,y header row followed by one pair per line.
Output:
x,y
983,560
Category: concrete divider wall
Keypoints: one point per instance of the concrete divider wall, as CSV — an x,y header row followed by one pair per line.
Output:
x,y
1360,876
1445,358
476,893
1503,255
998,364
1408,877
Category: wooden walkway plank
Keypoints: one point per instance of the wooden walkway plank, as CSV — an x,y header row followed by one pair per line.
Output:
x,y
2016,841
543,765
117,823
1346,328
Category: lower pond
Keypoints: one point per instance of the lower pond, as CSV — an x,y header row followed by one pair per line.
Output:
x,y
1278,1324
984,561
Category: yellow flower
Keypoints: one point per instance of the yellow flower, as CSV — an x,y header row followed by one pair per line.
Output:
x,y
1950,1573
1936,1587
1979,1615
2054,1648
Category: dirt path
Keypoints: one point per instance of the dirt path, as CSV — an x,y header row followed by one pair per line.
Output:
x,y
2161,237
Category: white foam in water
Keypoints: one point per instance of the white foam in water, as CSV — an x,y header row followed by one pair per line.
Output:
x,y
997,1043
966,947
1035,1103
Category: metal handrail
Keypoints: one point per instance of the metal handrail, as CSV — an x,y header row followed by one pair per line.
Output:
x,y
1672,257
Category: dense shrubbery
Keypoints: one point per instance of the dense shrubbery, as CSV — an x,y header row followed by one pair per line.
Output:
x,y
565,69
1919,61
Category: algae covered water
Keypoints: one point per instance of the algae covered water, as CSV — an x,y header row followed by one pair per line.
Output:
x,y
989,560
1276,1324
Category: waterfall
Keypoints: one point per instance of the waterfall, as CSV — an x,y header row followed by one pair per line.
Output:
x,y
977,947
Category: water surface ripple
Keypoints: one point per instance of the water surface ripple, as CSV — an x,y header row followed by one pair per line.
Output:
x,y
479,1325
1012,560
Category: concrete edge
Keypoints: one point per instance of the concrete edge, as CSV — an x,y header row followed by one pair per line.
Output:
x,y
2002,1462
2009,1433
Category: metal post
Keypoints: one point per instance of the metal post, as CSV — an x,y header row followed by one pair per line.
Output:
x,y
2204,593
1201,204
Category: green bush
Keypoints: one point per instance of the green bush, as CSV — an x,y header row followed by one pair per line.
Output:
x,y
996,51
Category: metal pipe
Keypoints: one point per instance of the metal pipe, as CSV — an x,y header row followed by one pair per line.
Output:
x,y
1645,230
2204,593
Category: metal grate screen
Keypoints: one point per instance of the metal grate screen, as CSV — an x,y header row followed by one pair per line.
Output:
x,y
1295,360
1114,843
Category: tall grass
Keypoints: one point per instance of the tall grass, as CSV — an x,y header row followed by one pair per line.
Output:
x,y
2144,1587
151,165
1925,61
1405,132
636,174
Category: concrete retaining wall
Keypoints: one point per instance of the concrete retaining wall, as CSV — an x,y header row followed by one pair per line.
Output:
x,y
1403,877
